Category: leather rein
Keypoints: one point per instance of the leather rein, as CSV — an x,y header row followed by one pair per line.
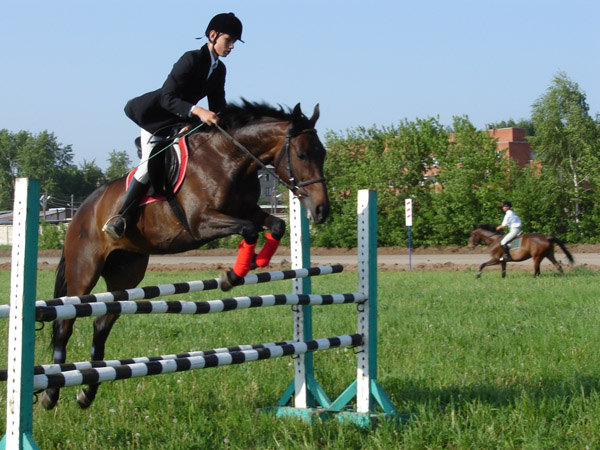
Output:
x,y
293,185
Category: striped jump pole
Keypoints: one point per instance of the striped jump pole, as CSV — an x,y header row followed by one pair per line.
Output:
x,y
142,369
49,369
61,312
149,292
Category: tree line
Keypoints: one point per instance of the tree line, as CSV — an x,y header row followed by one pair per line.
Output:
x,y
42,157
456,177
454,174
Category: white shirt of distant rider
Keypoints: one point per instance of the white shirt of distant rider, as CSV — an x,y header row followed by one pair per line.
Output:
x,y
511,220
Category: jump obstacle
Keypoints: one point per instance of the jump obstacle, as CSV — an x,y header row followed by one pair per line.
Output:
x,y
304,392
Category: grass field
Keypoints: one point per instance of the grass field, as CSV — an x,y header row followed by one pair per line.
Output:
x,y
482,364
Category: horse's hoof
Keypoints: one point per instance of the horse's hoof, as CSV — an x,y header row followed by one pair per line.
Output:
x,y
229,279
49,401
83,400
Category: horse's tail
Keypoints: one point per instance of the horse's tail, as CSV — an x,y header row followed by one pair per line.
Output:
x,y
60,284
558,242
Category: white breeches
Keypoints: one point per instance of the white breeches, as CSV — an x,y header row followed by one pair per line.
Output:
x,y
148,141
513,233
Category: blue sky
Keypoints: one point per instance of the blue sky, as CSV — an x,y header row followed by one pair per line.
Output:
x,y
69,67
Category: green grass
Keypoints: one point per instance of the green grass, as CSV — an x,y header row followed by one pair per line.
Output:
x,y
483,364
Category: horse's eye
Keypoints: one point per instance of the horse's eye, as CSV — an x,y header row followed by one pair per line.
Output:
x,y
301,155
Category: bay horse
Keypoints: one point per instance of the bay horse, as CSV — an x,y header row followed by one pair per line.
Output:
x,y
534,245
219,197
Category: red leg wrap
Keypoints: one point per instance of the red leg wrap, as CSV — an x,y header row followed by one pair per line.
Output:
x,y
244,259
267,252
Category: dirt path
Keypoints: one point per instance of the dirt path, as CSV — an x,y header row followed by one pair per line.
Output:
x,y
389,258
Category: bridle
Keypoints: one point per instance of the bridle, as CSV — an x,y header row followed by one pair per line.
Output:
x,y
487,239
285,151
293,185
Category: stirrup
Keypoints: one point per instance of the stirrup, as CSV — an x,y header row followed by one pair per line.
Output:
x,y
109,228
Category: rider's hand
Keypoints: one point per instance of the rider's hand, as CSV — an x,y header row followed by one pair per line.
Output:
x,y
205,115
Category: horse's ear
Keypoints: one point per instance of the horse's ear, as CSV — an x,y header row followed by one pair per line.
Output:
x,y
297,113
315,116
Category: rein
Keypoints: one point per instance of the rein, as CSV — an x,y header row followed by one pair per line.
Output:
x,y
285,150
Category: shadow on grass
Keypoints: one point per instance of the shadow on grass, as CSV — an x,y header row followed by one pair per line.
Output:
x,y
538,392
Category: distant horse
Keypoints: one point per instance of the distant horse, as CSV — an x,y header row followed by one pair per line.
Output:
x,y
219,197
535,245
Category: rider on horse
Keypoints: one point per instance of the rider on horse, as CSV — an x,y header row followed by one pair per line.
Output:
x,y
197,74
513,222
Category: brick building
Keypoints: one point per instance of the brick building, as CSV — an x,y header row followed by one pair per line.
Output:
x,y
512,142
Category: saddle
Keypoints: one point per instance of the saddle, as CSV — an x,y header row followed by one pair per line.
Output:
x,y
516,242
166,167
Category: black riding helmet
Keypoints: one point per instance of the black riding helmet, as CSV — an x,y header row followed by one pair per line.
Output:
x,y
226,23
507,203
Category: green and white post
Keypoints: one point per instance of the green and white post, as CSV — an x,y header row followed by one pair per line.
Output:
x,y
369,393
306,391
21,335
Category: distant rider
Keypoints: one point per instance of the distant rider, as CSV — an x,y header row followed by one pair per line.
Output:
x,y
513,222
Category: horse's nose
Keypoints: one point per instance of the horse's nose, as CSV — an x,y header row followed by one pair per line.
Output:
x,y
321,212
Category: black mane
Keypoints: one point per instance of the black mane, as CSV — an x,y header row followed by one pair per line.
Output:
x,y
237,115
488,227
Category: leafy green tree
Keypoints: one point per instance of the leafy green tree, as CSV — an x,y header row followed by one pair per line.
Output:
x,y
538,197
471,181
8,168
526,124
43,158
567,140
80,181
455,180
119,165
392,160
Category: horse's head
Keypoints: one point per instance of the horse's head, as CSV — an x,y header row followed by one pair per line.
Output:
x,y
300,163
481,233
475,237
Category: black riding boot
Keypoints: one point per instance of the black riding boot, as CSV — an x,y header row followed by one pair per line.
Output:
x,y
128,212
506,257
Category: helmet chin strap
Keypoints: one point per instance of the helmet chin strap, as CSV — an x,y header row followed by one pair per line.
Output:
x,y
215,40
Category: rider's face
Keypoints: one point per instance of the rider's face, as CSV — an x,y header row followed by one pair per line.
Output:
x,y
222,43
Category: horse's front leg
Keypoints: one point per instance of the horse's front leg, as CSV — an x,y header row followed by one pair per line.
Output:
x,y
276,227
491,262
481,267
215,225
503,269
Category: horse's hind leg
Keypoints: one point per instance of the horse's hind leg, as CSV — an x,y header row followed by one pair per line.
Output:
x,y
536,266
74,276
61,332
122,270
556,264
102,327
